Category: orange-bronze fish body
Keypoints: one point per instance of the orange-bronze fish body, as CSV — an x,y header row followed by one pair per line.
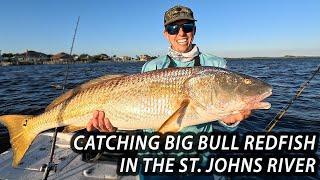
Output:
x,y
164,100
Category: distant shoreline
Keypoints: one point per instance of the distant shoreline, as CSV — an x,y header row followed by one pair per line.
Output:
x,y
22,63
36,58
280,57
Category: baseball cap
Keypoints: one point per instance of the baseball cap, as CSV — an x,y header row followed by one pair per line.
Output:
x,y
178,13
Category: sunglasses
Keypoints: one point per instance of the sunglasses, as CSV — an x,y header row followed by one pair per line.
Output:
x,y
174,29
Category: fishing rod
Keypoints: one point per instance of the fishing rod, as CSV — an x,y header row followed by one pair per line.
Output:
x,y
283,111
51,165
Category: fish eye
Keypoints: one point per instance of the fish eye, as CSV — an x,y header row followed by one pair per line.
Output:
x,y
247,81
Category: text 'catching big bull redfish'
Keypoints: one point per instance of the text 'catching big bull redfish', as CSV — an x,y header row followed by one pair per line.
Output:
x,y
164,100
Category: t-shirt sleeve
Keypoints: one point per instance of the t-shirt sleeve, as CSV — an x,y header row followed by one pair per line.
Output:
x,y
144,67
211,60
153,64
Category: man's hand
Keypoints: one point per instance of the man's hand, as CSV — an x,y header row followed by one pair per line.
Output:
x,y
244,114
237,117
99,122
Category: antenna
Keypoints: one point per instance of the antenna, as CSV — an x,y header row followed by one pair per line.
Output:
x,y
51,165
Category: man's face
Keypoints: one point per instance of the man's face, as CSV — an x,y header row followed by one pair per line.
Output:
x,y
182,41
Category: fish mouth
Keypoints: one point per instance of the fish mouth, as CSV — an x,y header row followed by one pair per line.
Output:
x,y
258,103
265,95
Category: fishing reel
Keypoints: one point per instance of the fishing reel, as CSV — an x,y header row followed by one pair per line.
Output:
x,y
50,165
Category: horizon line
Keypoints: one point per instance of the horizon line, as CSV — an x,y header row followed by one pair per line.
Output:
x,y
230,57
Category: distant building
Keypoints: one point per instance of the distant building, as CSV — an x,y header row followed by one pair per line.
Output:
x,y
125,58
145,57
115,58
32,56
102,57
75,57
61,57
7,56
84,57
105,57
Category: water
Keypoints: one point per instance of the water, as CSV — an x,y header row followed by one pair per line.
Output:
x,y
29,89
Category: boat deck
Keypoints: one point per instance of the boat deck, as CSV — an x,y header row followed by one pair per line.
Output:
x,y
70,165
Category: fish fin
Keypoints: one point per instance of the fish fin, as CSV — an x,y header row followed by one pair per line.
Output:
x,y
20,138
197,114
202,111
60,99
71,128
199,97
173,123
99,80
82,87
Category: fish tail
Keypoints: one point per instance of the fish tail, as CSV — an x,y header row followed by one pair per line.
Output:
x,y
20,137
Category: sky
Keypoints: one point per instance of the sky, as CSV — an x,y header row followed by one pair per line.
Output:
x,y
227,28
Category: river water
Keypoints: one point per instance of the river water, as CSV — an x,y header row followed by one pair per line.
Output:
x,y
29,89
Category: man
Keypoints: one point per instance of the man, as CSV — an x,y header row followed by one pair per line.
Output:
x,y
179,30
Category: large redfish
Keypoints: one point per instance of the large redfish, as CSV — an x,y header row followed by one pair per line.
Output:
x,y
164,100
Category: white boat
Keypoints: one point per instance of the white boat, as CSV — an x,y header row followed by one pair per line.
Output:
x,y
69,163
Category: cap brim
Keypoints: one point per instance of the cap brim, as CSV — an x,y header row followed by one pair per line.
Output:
x,y
179,18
